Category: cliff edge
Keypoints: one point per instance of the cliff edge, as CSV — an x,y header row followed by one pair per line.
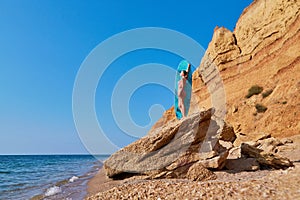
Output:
x,y
262,53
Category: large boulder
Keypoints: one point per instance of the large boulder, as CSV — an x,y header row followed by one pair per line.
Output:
x,y
174,150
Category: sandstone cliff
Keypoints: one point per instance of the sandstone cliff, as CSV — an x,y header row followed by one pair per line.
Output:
x,y
263,50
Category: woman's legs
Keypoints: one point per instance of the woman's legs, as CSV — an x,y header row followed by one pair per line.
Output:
x,y
181,106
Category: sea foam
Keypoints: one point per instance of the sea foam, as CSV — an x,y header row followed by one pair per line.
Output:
x,y
73,178
52,191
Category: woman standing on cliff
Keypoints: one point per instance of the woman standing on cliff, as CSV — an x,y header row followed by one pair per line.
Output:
x,y
181,90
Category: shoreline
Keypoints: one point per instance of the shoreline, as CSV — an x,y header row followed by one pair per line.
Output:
x,y
100,183
46,176
74,187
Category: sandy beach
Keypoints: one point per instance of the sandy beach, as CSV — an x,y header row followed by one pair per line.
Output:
x,y
261,184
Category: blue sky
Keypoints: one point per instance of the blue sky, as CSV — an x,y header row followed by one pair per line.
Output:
x,y
43,44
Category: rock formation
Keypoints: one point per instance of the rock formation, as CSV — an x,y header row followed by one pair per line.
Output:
x,y
181,149
251,156
187,148
265,158
263,50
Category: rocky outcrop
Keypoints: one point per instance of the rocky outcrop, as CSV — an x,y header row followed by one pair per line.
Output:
x,y
251,156
223,48
265,158
188,148
263,50
181,149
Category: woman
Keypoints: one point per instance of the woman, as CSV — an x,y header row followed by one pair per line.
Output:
x,y
181,92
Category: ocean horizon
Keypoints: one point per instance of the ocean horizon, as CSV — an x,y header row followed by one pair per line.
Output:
x,y
47,176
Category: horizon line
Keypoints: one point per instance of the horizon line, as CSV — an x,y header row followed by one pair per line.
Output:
x,y
56,154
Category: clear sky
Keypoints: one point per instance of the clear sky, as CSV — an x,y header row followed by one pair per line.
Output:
x,y
43,44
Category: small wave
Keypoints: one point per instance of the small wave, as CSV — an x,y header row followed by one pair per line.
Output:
x,y
52,191
5,172
73,178
61,183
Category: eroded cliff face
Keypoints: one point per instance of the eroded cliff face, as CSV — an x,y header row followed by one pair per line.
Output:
x,y
263,50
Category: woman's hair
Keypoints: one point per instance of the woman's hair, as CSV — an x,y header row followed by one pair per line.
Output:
x,y
184,73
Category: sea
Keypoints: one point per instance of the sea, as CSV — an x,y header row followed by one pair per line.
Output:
x,y
48,177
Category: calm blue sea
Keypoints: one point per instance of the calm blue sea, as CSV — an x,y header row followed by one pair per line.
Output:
x,y
46,176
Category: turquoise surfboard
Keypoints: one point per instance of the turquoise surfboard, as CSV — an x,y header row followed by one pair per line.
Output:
x,y
183,65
